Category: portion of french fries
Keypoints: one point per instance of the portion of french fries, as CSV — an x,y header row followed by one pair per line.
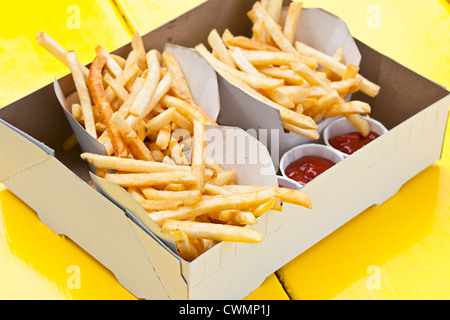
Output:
x,y
142,110
305,85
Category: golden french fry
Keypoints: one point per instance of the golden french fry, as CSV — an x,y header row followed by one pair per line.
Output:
x,y
57,51
130,165
161,120
289,76
213,231
138,47
249,44
149,86
100,100
264,207
269,58
83,93
70,143
348,108
152,179
163,137
118,90
187,197
199,154
292,19
222,178
234,216
179,80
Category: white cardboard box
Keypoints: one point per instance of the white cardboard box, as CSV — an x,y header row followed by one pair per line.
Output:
x,y
51,181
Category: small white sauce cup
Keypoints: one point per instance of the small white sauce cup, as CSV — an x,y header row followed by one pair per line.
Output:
x,y
304,150
284,182
342,125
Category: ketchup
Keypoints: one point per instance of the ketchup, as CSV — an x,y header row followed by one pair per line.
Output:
x,y
307,168
351,142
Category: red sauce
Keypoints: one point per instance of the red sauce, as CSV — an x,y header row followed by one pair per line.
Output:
x,y
351,142
307,168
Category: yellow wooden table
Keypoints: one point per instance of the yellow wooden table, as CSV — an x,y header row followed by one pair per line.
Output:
x,y
399,250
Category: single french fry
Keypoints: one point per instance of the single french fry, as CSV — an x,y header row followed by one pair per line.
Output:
x,y
149,86
186,197
161,120
222,178
138,47
120,60
269,58
83,93
70,143
361,124
368,87
213,231
199,154
124,109
179,80
234,216
163,137
186,249
338,56
130,165
57,51
274,8
289,76
118,90
292,19
249,44
216,44
243,64
260,33
308,133
152,179
348,108
264,207
100,100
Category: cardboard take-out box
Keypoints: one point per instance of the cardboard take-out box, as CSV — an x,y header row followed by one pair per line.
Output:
x,y
53,182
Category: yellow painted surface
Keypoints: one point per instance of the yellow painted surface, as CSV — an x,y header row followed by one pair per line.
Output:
x,y
25,66
400,250
146,15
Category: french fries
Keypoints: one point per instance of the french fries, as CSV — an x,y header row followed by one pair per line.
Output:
x,y
141,106
310,83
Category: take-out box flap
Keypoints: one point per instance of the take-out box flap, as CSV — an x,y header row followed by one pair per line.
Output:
x,y
317,28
